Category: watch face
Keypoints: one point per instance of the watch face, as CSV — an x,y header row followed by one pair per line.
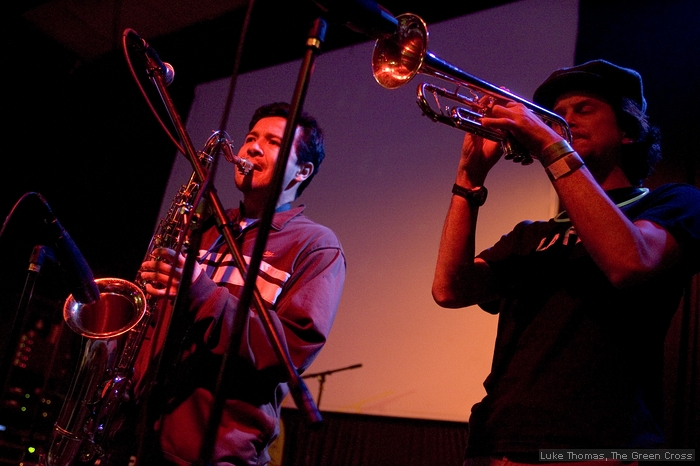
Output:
x,y
479,195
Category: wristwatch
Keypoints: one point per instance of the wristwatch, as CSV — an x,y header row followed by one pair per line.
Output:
x,y
475,196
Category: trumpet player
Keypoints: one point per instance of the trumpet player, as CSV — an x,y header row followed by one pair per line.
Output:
x,y
301,279
584,299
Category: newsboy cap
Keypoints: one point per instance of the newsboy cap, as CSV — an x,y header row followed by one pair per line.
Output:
x,y
599,76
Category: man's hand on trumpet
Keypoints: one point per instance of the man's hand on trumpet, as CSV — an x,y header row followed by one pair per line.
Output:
x,y
523,125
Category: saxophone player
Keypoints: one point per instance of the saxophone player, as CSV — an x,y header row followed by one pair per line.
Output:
x,y
301,279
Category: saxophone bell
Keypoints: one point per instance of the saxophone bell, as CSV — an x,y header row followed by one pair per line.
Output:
x,y
85,422
113,329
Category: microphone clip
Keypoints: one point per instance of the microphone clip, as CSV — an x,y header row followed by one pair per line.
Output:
x,y
155,67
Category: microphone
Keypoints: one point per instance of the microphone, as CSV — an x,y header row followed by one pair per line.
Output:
x,y
153,61
83,283
364,16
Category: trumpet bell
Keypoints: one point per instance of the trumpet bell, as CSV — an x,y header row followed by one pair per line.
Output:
x,y
396,59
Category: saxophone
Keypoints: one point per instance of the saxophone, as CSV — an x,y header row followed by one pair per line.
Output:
x,y
114,328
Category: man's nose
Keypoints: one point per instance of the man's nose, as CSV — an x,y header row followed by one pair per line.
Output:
x,y
253,149
569,116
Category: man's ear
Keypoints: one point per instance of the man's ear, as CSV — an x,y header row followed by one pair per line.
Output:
x,y
304,171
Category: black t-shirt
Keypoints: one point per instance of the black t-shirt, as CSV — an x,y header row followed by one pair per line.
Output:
x,y
577,362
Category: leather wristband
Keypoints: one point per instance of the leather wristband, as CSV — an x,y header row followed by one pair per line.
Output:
x,y
564,165
555,151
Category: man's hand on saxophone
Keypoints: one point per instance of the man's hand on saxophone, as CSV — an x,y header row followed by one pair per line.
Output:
x,y
162,274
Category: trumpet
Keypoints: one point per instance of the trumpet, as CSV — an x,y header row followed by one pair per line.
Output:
x,y
399,57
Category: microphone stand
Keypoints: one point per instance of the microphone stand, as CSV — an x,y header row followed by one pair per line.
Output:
x,y
36,260
298,389
321,376
250,294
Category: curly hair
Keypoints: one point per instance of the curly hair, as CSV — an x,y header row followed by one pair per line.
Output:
x,y
309,146
640,156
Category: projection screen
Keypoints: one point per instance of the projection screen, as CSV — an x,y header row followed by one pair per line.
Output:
x,y
384,188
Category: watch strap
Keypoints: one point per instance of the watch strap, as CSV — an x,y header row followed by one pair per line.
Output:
x,y
475,196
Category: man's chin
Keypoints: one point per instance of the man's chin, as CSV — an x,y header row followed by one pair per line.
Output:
x,y
581,148
244,183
